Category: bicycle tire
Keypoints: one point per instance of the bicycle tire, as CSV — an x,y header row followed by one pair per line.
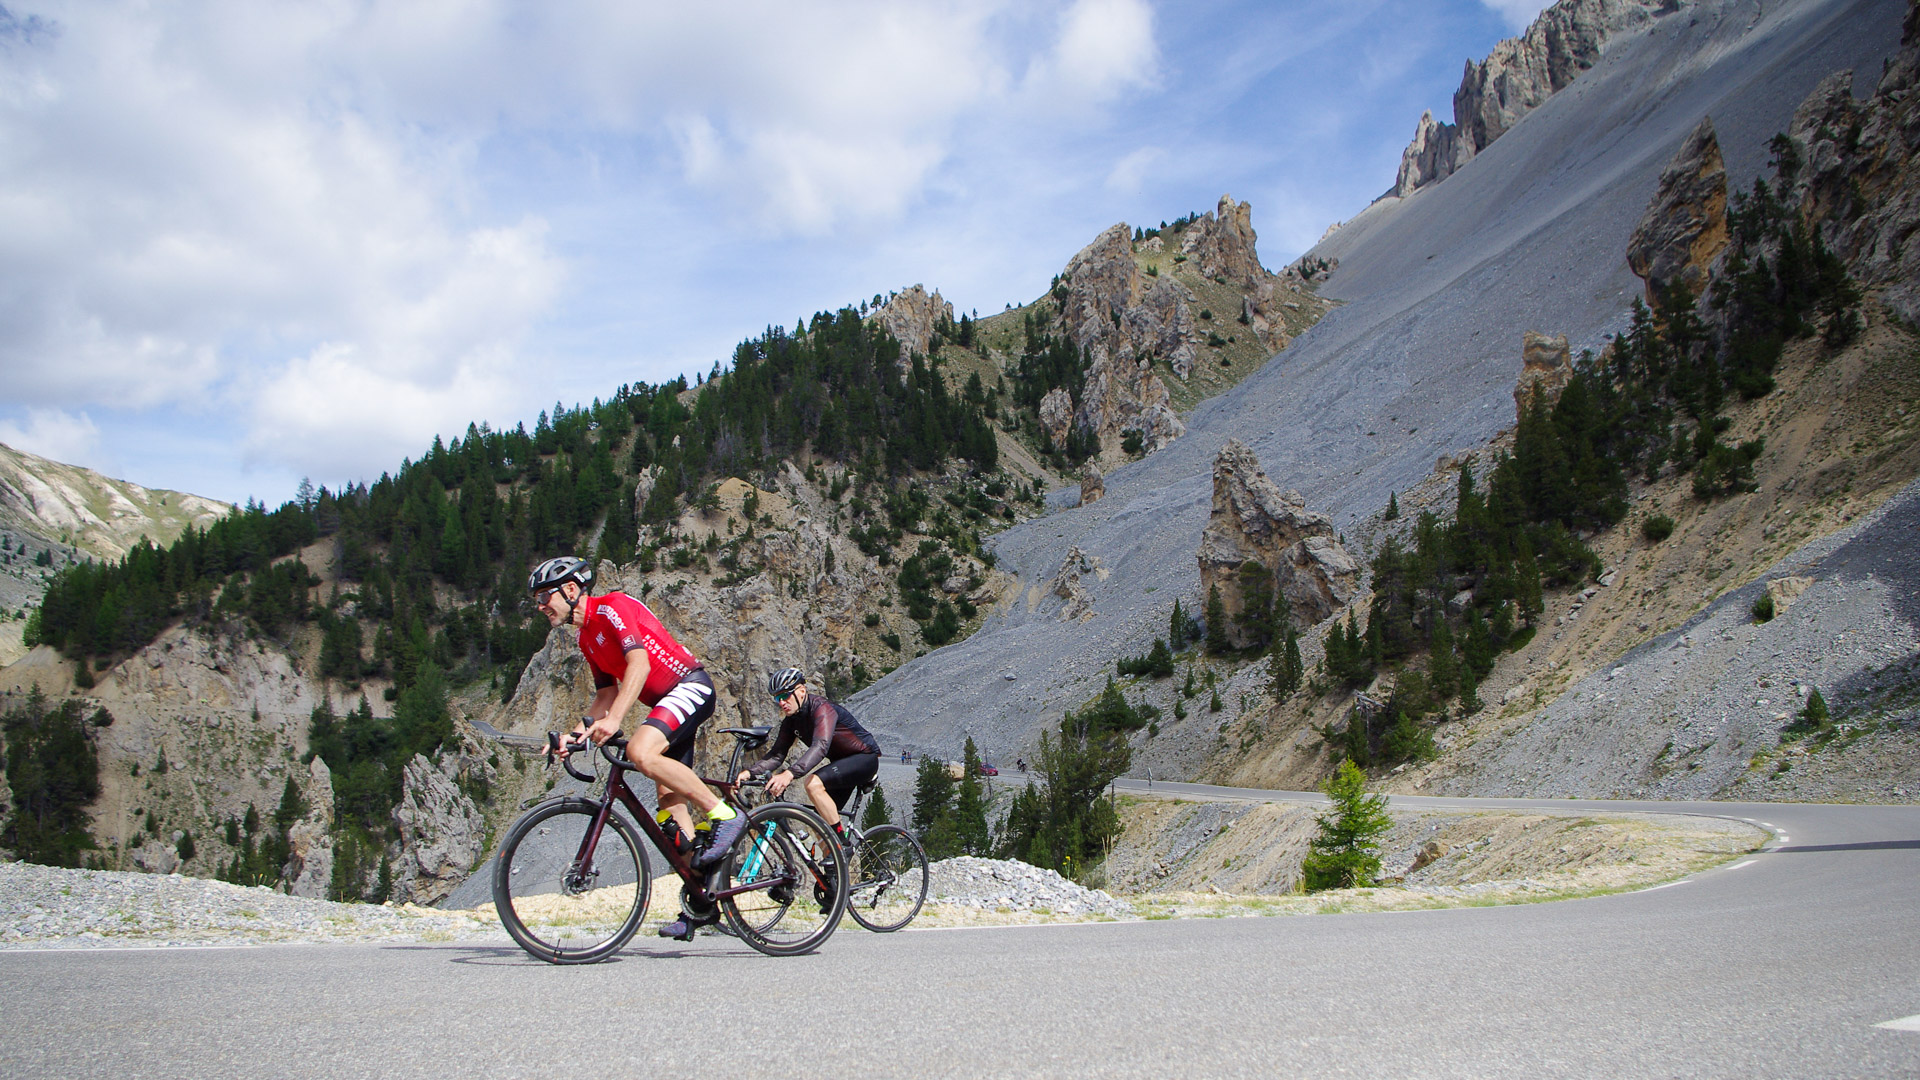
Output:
x,y
891,882
546,905
786,857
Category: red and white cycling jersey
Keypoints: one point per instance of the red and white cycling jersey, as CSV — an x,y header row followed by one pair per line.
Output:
x,y
616,625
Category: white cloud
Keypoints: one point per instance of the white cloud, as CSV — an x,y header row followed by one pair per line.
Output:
x,y
1106,46
54,434
1517,13
290,221
1130,173
189,211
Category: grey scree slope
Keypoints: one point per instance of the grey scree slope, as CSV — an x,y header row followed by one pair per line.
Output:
x,y
1436,290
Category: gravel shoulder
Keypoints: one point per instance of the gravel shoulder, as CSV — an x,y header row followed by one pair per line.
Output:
x,y
1474,860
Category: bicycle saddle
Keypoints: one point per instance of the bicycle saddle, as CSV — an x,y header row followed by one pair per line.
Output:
x,y
748,736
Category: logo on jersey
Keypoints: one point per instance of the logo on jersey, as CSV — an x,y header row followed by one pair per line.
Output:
x,y
613,617
600,639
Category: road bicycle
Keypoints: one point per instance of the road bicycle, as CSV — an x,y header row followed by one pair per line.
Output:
x,y
572,882
887,870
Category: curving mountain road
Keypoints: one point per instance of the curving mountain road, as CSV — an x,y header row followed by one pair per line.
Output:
x,y
1780,964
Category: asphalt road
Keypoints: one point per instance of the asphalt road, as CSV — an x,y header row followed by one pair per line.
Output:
x,y
1779,965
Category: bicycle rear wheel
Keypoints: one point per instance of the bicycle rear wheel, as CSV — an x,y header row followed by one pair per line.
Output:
x,y
792,882
559,908
889,879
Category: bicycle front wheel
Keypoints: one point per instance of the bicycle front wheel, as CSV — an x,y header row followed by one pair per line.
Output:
x,y
783,884
889,879
567,900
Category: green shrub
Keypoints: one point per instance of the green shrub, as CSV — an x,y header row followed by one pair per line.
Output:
x,y
1657,528
1763,608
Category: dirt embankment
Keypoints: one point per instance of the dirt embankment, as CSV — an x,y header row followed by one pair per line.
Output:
x,y
1183,858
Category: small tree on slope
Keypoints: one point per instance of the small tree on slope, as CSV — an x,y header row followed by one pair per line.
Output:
x,y
1346,852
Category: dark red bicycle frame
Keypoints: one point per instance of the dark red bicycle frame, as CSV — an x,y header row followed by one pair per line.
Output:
x,y
617,789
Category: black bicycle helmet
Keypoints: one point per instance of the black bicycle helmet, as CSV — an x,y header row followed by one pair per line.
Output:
x,y
556,572
784,680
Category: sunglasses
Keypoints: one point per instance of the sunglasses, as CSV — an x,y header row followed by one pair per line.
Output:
x,y
540,598
781,699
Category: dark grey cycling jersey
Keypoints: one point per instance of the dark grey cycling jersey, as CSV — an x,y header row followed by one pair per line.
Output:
x,y
829,730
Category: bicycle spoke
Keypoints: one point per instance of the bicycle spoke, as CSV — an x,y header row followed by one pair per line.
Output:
x,y
890,880
790,899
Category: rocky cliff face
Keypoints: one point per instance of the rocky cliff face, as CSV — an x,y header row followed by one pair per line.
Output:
x,y
441,833
1253,521
1143,312
1546,364
1858,175
1520,73
912,316
1685,227
204,727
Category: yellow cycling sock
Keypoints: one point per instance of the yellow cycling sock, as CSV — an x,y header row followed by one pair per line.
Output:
x,y
720,812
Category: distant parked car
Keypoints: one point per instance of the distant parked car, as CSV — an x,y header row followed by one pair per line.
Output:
x,y
988,770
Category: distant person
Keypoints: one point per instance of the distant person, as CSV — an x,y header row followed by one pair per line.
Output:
x,y
635,659
830,733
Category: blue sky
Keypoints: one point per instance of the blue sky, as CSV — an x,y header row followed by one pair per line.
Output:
x,y
244,242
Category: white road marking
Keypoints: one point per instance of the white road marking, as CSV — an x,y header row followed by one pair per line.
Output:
x,y
1905,1023
1737,866
1668,885
1768,824
1785,839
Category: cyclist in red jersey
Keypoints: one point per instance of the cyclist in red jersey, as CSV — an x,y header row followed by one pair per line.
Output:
x,y
635,659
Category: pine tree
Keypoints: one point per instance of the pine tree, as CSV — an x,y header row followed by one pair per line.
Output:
x,y
1345,853
1216,622
1284,665
1443,667
1393,506
970,833
877,811
1177,627
932,796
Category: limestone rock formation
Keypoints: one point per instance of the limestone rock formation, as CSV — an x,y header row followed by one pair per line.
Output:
x,y
1127,321
309,868
1515,78
912,315
1253,521
441,833
1093,487
1858,174
1223,244
1432,155
1067,584
1685,227
1056,414
1546,365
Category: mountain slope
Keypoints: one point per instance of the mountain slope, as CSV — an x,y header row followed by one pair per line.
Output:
x,y
1418,362
68,513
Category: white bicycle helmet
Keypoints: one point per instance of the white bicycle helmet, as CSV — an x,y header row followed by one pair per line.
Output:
x,y
556,572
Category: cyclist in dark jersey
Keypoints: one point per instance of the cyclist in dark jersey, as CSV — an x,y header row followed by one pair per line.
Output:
x,y
830,732
635,659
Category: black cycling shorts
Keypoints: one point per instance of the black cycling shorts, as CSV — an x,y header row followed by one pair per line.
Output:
x,y
842,776
679,713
